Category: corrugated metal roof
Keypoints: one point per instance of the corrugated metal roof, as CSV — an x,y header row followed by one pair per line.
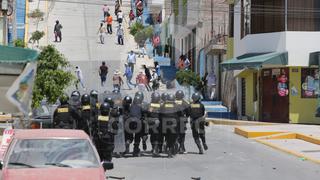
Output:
x,y
17,55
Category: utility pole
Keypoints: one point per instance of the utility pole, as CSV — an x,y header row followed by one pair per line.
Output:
x,y
4,9
212,29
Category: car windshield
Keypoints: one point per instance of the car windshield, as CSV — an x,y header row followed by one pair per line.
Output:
x,y
47,153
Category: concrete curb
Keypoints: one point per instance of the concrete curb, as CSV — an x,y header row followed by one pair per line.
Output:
x,y
237,122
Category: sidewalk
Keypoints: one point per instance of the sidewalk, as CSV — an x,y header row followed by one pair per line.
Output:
x,y
35,25
302,141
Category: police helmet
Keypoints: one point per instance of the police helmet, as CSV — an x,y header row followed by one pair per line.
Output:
x,y
116,91
196,97
164,96
137,100
85,99
94,94
109,100
64,99
139,93
104,108
127,100
179,95
155,97
171,98
75,95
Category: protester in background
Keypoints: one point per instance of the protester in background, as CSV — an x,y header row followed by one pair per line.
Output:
x,y
187,63
120,16
120,34
204,87
101,32
181,63
79,77
148,75
141,81
105,10
103,72
158,70
154,80
117,80
131,17
57,31
128,74
142,49
131,59
211,83
109,23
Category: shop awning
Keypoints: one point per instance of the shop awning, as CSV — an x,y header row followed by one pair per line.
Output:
x,y
255,61
314,58
17,55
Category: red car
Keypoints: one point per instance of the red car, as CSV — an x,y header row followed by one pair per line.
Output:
x,y
52,154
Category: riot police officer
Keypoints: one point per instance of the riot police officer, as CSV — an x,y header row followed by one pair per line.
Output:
x,y
183,109
197,120
135,123
144,124
126,103
162,146
94,103
75,103
64,115
153,120
85,122
105,141
169,122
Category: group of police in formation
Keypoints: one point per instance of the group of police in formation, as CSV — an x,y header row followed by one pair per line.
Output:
x,y
165,119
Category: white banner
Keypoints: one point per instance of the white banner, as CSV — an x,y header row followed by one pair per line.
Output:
x,y
20,93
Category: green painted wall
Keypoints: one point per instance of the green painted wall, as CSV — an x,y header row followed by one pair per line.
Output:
x,y
301,110
230,48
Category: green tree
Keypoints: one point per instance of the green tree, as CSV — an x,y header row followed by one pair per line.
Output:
x,y
36,14
52,78
141,36
136,27
36,36
188,79
19,43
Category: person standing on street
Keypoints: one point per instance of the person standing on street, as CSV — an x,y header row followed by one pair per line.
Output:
x,y
141,81
120,16
131,17
197,120
154,80
211,83
148,75
57,31
120,34
101,32
109,23
103,72
105,10
131,59
128,74
117,81
79,77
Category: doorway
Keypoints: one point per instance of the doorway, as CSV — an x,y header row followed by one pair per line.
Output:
x,y
275,95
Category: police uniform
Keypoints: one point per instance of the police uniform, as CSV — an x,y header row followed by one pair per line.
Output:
x,y
135,124
94,105
183,109
169,122
105,142
75,103
64,115
126,103
85,121
153,121
162,147
197,120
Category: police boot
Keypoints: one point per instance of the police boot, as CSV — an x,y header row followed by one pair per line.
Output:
x,y
199,146
182,149
127,148
155,150
144,142
170,152
136,152
203,139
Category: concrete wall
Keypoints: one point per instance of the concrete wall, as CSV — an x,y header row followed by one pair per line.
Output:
x,y
301,110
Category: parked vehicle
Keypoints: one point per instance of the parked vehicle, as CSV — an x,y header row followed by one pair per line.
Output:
x,y
52,154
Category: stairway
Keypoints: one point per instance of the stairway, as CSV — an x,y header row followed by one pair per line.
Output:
x,y
215,109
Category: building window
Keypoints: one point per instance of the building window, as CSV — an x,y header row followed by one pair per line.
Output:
x,y
309,82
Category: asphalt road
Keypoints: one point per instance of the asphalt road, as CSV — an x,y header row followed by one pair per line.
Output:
x,y
230,157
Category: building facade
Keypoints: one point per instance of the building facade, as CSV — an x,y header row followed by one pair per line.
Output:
x,y
274,46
